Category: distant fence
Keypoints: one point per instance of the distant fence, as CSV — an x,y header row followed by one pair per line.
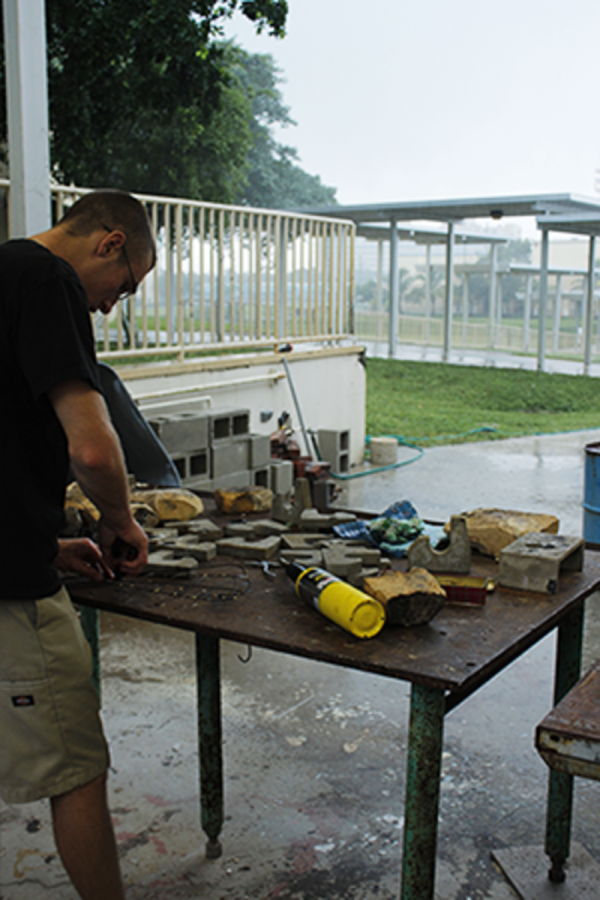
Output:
x,y
522,337
229,276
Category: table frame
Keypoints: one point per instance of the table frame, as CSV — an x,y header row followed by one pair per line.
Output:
x,y
429,703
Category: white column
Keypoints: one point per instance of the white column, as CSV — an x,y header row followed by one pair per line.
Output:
x,y
527,314
379,295
588,323
541,355
27,104
394,279
449,289
493,287
428,304
556,317
465,310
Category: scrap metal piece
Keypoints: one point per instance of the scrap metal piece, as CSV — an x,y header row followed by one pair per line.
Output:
x,y
534,561
455,558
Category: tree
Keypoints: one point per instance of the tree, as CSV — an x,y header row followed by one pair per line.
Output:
x,y
143,94
274,179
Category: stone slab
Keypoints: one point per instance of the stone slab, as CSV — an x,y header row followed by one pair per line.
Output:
x,y
190,546
526,869
163,562
205,529
265,548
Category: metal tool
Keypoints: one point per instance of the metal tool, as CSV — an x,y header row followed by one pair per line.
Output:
x,y
265,565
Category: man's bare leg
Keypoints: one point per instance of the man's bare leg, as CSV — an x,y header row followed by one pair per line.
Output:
x,y
86,842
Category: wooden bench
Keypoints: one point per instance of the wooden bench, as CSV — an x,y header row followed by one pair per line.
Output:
x,y
568,738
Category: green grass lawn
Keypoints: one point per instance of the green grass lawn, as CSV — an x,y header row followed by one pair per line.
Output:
x,y
434,403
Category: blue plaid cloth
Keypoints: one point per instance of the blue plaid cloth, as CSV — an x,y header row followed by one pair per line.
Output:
x,y
401,510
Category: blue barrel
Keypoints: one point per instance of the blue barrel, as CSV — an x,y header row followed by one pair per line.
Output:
x,y
591,494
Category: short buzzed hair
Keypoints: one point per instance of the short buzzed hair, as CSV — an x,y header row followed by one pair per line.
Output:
x,y
113,209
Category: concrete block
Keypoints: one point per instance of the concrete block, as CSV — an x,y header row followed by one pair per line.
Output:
x,y
228,457
312,520
358,580
240,480
163,562
205,529
245,530
265,548
180,432
190,546
198,484
198,464
282,476
339,564
263,527
227,425
304,557
335,448
259,451
261,477
303,541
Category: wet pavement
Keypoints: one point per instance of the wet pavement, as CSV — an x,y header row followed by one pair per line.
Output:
x,y
315,755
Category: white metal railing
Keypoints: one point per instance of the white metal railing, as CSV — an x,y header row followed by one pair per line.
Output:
x,y
230,275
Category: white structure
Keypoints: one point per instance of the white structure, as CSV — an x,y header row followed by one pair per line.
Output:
x,y
27,104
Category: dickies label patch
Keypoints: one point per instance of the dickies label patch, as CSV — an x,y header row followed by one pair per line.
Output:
x,y
23,700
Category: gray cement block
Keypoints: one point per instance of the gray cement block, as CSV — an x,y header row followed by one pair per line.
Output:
x,y
240,529
265,548
263,527
261,477
228,424
228,457
180,432
335,448
282,476
163,562
304,557
259,451
205,529
198,484
191,546
241,479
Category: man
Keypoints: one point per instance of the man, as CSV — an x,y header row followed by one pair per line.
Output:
x,y
52,413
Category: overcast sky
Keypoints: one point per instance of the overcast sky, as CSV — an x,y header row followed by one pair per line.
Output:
x,y
399,100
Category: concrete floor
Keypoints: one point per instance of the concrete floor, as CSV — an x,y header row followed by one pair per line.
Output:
x,y
314,755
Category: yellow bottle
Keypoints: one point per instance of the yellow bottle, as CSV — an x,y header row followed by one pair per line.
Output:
x,y
345,605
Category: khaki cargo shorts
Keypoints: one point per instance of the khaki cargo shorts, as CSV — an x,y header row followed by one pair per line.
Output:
x,y
51,737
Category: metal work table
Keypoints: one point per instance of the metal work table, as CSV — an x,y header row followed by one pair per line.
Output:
x,y
445,661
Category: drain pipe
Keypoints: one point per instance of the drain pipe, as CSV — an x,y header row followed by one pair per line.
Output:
x,y
286,349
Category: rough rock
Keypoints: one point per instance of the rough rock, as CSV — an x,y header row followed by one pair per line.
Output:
x,y
412,598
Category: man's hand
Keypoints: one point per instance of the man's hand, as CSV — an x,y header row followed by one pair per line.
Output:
x,y
82,556
131,552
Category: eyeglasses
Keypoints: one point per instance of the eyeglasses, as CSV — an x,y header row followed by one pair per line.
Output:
x,y
125,291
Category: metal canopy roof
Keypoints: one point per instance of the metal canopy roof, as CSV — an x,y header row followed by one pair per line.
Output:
x,y
426,235
577,223
455,210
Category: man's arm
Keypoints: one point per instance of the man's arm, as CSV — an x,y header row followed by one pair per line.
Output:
x,y
97,460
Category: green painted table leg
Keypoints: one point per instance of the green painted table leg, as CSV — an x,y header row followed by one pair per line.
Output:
x,y
210,743
427,706
560,785
90,623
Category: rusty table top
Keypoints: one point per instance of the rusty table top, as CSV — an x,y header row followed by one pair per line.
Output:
x,y
459,650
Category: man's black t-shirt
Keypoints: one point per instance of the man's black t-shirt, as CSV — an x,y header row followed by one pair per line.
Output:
x,y
45,338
